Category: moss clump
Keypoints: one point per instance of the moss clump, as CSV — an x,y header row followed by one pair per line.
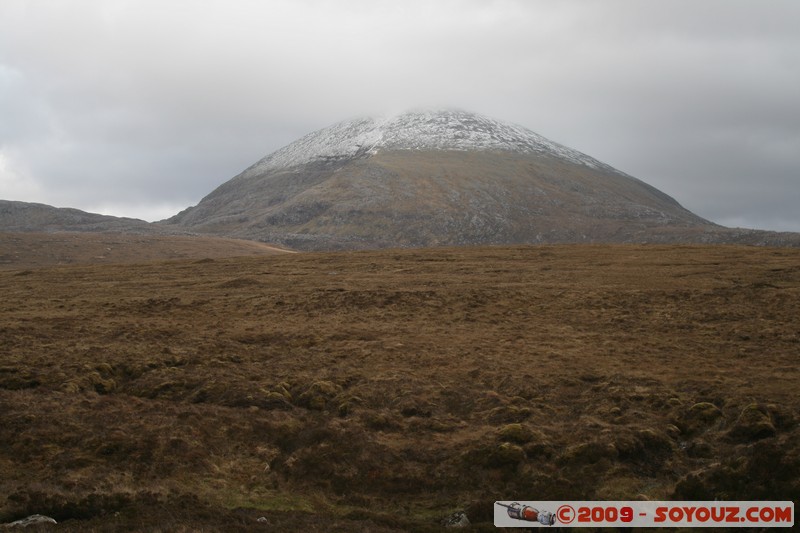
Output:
x,y
494,455
705,411
346,407
699,449
516,433
105,369
508,414
754,423
782,417
275,400
647,449
381,420
283,389
92,381
654,441
587,453
418,409
317,396
103,386
699,417
506,454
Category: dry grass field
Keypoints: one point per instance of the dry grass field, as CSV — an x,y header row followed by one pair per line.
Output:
x,y
381,391
28,250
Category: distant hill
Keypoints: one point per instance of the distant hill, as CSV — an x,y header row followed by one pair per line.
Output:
x,y
36,235
32,250
24,217
443,178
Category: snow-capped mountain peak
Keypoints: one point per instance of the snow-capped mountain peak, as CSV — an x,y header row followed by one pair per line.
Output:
x,y
416,130
436,178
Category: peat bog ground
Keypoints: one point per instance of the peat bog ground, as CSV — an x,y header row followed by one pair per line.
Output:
x,y
382,391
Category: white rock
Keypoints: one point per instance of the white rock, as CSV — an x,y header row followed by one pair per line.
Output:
x,y
32,520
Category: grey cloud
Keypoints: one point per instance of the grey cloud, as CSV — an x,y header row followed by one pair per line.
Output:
x,y
151,103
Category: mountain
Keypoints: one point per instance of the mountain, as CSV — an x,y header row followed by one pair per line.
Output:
x,y
26,217
439,178
417,179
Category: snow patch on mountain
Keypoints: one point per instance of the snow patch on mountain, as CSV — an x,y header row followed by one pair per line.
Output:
x,y
416,130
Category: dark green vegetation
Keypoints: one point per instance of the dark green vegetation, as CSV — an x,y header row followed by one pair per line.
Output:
x,y
382,391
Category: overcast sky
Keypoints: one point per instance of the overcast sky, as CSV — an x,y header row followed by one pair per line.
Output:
x,y
140,108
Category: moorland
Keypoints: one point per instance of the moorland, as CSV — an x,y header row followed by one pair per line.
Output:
x,y
384,390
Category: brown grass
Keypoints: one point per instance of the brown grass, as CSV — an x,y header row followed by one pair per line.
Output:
x,y
34,250
381,391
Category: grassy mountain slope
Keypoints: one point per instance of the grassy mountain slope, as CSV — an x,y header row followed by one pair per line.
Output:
x,y
424,198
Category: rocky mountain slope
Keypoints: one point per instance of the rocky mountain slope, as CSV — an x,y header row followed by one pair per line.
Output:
x,y
442,178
